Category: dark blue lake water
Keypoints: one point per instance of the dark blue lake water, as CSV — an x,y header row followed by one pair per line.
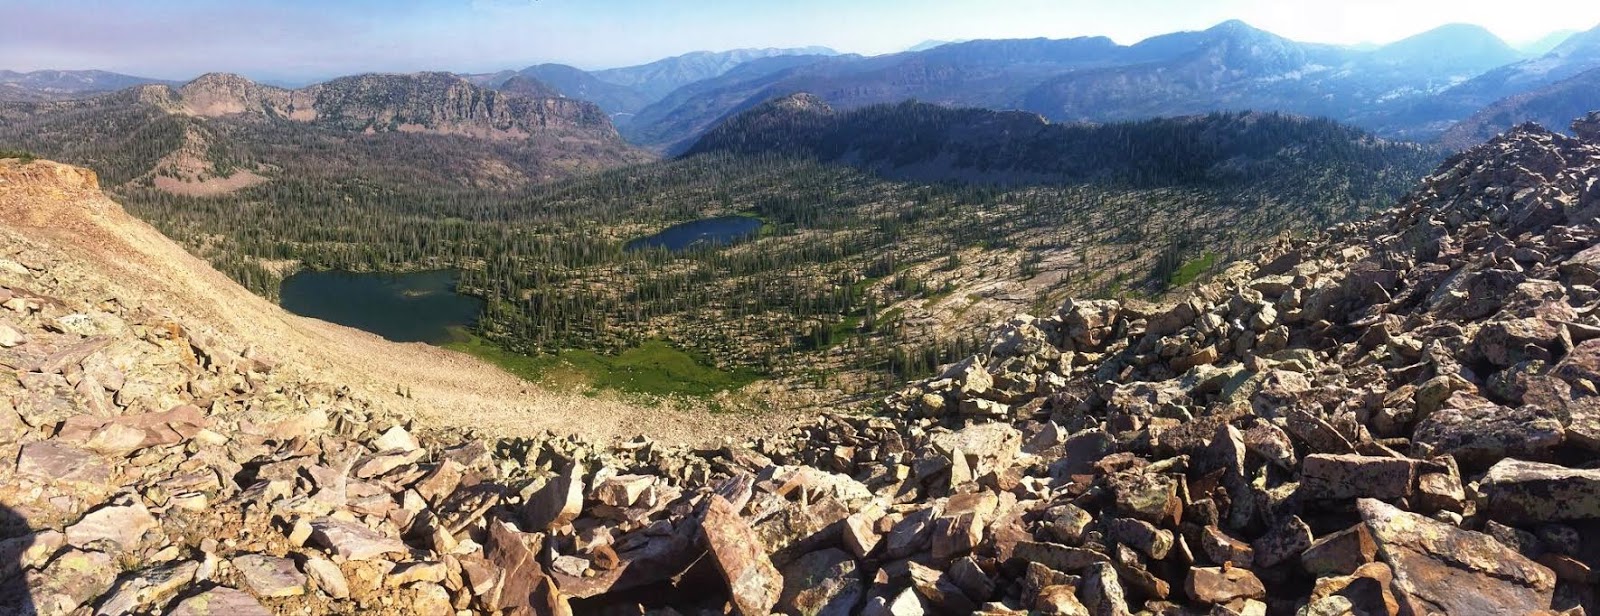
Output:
x,y
415,307
706,231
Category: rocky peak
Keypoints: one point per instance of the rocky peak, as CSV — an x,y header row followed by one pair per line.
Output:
x,y
1588,127
226,94
529,87
803,102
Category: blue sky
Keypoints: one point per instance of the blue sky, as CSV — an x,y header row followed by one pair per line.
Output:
x,y
304,39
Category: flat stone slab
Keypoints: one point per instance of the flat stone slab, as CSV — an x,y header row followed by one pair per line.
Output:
x,y
220,601
353,541
1442,569
270,576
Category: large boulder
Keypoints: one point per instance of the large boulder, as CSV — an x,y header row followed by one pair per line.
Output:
x,y
754,585
1478,432
825,582
1442,569
1333,477
1520,492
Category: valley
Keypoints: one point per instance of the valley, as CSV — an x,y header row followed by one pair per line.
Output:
x,y
891,234
858,278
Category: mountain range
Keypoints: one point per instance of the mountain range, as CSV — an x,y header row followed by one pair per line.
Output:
x,y
1232,66
48,85
1414,89
624,91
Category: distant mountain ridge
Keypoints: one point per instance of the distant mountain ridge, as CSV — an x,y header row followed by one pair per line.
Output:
x,y
1388,89
53,84
223,132
1549,106
657,79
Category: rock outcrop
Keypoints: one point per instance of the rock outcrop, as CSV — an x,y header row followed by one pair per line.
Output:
x,y
1395,417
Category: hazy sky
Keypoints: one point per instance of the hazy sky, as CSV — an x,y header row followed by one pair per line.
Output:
x,y
296,39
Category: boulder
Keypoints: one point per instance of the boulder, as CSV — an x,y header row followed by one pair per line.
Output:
x,y
1587,127
269,576
395,440
150,587
55,461
10,337
74,578
622,490
327,577
754,585
1442,569
1340,553
1520,492
120,526
558,502
220,601
1140,535
1338,477
1222,549
1151,497
1219,585
822,582
1285,540
1059,557
1478,433
515,554
353,541
1102,593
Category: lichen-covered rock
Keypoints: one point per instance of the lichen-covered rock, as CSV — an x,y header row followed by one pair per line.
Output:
x,y
754,584
1519,492
1478,432
1327,476
1442,569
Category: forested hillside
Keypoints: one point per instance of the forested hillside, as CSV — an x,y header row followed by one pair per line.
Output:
x,y
921,141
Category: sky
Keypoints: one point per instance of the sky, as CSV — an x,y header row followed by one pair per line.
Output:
x,y
302,40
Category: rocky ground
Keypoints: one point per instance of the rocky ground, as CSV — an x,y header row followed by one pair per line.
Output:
x,y
1400,416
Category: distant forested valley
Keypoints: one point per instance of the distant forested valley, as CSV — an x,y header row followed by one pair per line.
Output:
x,y
860,276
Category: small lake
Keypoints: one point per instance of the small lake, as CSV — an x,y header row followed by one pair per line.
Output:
x,y
706,231
414,307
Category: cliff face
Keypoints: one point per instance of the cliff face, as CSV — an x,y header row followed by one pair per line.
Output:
x,y
422,102
221,133
1396,416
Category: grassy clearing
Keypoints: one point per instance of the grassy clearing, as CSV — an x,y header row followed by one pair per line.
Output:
x,y
654,368
1192,270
